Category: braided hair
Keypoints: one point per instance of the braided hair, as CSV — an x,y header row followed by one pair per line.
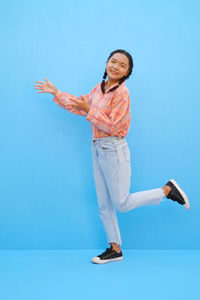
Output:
x,y
124,77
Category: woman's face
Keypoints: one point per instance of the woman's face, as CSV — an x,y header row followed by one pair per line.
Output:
x,y
117,66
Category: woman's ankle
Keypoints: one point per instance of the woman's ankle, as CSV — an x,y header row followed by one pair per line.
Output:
x,y
166,189
116,247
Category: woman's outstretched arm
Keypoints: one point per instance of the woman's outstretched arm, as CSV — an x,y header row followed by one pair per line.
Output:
x,y
63,99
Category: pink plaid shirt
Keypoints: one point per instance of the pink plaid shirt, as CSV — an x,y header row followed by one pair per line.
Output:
x,y
109,113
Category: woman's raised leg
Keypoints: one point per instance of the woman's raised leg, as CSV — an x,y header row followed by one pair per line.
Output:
x,y
115,164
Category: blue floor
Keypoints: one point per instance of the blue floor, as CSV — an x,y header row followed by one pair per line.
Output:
x,y
70,274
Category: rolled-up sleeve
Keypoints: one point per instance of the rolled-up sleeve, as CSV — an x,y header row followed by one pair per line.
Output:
x,y
117,120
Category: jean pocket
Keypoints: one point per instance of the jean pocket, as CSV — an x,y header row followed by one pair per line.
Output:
x,y
126,152
106,145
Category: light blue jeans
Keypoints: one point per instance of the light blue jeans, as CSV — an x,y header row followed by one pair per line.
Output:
x,y
112,172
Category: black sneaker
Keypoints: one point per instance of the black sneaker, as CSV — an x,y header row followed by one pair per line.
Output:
x,y
107,256
177,194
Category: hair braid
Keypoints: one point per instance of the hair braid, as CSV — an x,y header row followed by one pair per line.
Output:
x,y
120,82
103,82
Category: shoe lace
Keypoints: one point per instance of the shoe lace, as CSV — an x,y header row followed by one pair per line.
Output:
x,y
105,252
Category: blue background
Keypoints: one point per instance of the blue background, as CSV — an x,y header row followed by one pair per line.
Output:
x,y
48,197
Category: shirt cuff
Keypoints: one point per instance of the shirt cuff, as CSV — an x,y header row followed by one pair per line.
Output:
x,y
57,94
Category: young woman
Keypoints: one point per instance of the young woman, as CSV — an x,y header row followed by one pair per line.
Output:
x,y
107,108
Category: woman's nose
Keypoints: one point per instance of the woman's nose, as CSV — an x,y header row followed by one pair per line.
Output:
x,y
115,68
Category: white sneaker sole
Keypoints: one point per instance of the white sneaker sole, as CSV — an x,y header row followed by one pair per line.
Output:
x,y
187,203
97,260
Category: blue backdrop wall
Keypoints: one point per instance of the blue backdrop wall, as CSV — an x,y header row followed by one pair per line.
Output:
x,y
48,197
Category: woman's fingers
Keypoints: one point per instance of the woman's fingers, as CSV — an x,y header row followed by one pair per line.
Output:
x,y
43,86
48,82
74,100
72,105
38,85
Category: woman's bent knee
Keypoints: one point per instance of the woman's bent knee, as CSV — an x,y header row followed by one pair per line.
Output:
x,y
120,207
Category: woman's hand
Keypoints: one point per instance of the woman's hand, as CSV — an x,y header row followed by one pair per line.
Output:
x,y
79,103
46,87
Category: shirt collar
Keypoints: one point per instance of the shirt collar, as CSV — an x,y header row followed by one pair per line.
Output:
x,y
123,83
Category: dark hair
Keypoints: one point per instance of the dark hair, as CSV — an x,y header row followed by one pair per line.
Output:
x,y
124,77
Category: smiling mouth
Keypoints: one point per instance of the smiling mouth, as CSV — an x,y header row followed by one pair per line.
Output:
x,y
114,72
